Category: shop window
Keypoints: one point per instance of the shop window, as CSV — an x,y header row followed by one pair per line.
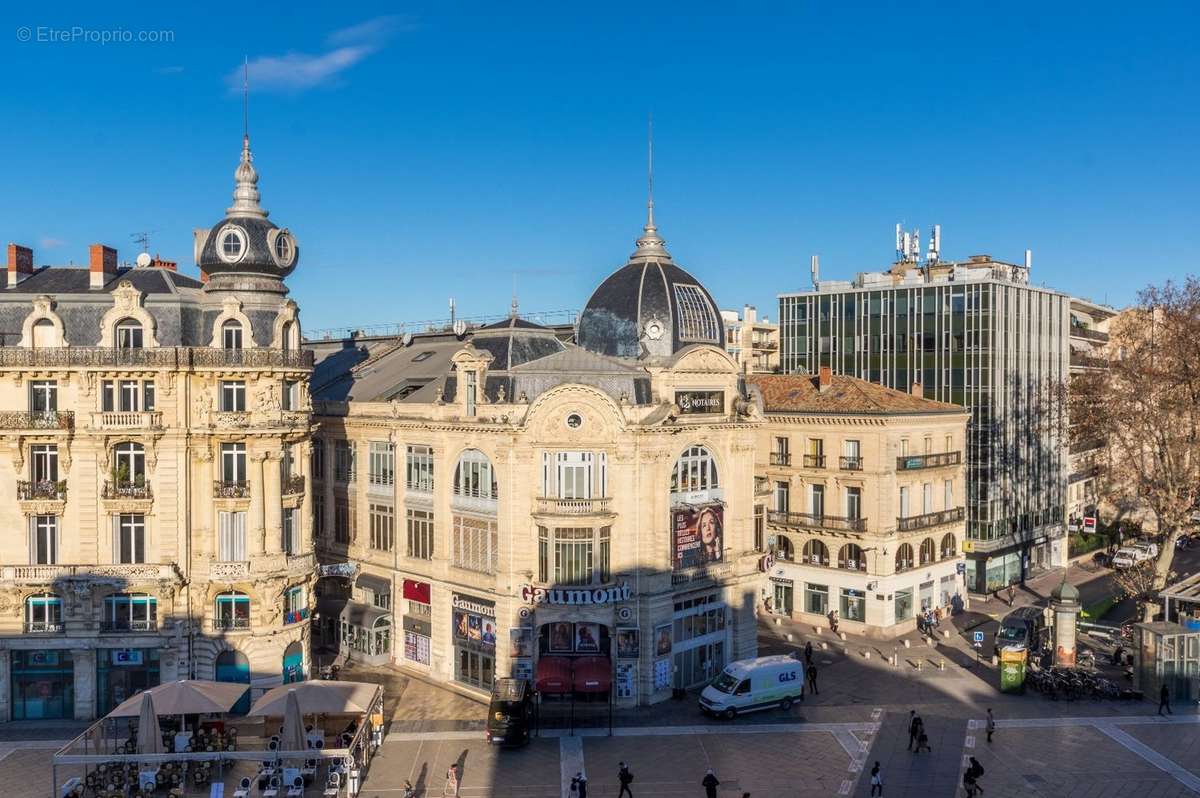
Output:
x,y
853,605
903,604
232,611
816,599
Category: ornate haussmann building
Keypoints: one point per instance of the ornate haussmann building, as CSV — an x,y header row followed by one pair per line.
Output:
x,y
153,486
504,502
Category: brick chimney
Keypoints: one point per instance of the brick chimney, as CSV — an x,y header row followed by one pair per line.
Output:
x,y
102,264
918,389
20,263
159,263
824,378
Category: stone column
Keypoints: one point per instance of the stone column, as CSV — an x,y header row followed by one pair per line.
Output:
x,y
85,682
304,468
204,535
255,519
273,503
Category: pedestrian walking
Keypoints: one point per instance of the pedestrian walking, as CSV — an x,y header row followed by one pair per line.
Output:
x,y
710,784
833,618
991,724
1164,700
1012,597
812,679
573,790
972,776
808,653
876,781
625,777
580,781
914,727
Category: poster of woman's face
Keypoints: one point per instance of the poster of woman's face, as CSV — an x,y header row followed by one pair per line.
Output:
x,y
628,643
475,627
521,641
489,632
710,535
460,625
587,638
662,641
561,637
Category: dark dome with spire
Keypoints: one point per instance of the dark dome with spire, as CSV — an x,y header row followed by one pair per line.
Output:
x,y
649,307
245,242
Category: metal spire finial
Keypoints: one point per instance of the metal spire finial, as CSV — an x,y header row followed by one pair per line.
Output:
x,y
650,245
245,177
512,313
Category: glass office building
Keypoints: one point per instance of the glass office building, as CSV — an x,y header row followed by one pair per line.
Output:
x,y
975,334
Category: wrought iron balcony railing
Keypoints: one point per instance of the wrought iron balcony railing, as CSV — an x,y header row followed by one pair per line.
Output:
x,y
811,521
230,490
915,522
39,420
47,489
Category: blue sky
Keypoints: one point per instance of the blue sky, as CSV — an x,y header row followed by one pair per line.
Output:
x,y
421,151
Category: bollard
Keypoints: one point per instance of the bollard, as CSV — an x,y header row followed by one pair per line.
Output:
x,y
993,659
946,633
824,645
941,663
778,621
919,664
866,655
817,630
841,635
907,643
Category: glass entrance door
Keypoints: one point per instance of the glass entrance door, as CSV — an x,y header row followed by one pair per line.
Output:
x,y
783,599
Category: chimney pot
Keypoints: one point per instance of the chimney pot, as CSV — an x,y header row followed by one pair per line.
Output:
x,y
918,389
159,263
102,264
824,378
20,263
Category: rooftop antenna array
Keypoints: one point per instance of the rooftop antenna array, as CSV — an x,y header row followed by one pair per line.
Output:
x,y
908,245
816,271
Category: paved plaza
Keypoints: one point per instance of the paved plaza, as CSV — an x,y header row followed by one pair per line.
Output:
x,y
824,746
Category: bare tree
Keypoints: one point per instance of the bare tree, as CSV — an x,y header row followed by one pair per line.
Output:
x,y
1139,582
1144,411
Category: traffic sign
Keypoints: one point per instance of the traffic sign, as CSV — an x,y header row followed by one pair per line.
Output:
x,y
1089,524
978,636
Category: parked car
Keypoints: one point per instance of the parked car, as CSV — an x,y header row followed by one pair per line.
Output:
x,y
1129,556
752,684
1024,627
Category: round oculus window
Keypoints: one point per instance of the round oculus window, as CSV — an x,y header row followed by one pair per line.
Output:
x,y
574,421
285,249
231,245
654,329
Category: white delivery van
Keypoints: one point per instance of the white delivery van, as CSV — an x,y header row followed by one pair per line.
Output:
x,y
752,684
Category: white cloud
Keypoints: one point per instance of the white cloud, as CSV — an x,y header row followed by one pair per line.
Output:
x,y
299,71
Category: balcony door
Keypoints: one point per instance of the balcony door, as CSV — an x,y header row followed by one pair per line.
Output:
x,y
817,501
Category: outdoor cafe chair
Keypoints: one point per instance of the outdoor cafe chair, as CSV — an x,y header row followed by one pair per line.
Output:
x,y
243,790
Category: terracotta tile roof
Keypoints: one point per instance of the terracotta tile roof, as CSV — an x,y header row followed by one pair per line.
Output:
x,y
799,393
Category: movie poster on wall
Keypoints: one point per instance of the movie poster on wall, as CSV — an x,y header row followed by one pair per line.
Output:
x,y
698,534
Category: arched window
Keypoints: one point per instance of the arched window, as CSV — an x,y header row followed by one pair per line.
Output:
x,y
232,611
290,339
124,612
45,334
293,663
381,635
851,558
129,334
231,334
784,549
949,546
816,553
904,558
928,553
129,465
43,613
695,470
474,476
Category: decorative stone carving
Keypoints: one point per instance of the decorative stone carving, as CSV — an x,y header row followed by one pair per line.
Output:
x,y
127,303
43,308
229,571
202,406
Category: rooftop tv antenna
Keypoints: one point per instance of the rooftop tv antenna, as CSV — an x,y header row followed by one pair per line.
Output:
x,y
816,271
246,97
143,238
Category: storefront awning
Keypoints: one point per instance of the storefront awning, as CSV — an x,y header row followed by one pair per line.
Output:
x,y
553,675
592,675
379,584
358,614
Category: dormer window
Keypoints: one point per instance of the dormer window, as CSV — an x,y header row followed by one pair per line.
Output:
x,y
129,334
231,335
284,249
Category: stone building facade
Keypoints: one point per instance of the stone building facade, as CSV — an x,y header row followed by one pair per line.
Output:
x,y
499,502
860,492
154,484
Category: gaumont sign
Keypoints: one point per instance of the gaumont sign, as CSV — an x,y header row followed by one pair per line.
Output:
x,y
693,402
573,596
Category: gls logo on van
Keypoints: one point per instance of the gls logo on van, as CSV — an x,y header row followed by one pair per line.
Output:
x,y
790,676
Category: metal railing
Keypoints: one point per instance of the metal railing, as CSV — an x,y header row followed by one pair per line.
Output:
x,y
295,616
781,458
230,624
45,627
914,522
1089,361
157,357
126,625
914,462
553,506
41,420
126,490
293,484
45,489
810,521
850,463
230,490
814,461
1088,333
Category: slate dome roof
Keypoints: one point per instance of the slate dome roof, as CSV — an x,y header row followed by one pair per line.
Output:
x,y
649,307
245,242
515,341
